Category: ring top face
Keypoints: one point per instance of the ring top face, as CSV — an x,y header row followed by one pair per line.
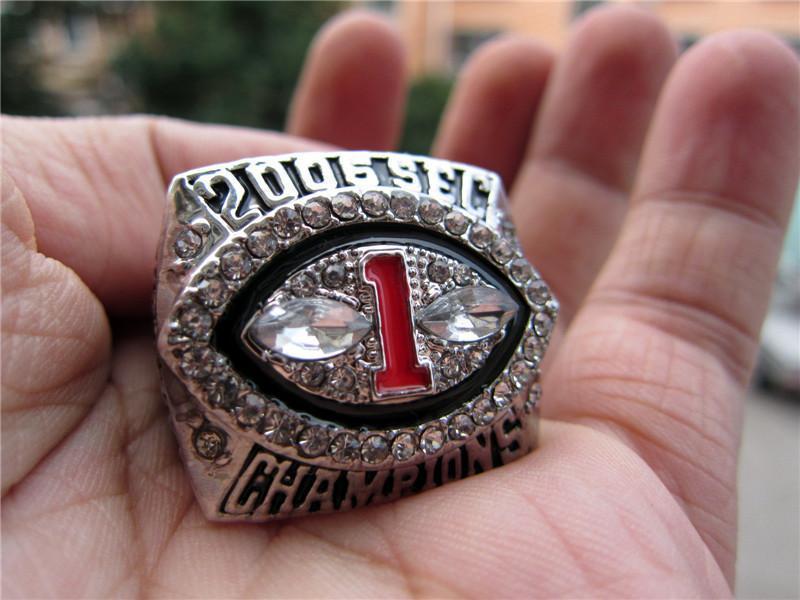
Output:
x,y
347,313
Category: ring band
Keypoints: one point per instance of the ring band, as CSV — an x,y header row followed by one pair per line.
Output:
x,y
340,329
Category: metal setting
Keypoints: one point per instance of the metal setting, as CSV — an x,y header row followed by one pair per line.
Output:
x,y
342,329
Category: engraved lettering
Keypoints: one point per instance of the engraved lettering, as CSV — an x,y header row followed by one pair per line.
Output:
x,y
315,173
403,173
206,186
358,170
273,184
442,182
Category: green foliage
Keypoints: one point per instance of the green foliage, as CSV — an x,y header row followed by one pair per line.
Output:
x,y
230,62
225,62
426,101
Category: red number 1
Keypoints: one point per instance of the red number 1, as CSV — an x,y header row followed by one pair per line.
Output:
x,y
402,373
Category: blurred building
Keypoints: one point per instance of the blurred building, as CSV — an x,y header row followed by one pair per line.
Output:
x,y
441,33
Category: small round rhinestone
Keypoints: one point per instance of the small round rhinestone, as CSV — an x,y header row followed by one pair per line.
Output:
x,y
462,275
313,441
521,270
188,243
334,275
235,264
520,374
534,395
439,271
502,251
537,292
431,294
317,214
312,375
303,285
542,324
345,206
403,205
431,440
502,395
272,420
250,409
375,204
261,243
480,235
212,292
198,363
404,446
532,350
375,449
456,223
483,411
431,211
343,379
450,366
195,320
460,426
345,448
222,391
476,358
286,222
283,431
209,443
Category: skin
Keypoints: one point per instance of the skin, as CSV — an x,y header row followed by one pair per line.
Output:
x,y
651,191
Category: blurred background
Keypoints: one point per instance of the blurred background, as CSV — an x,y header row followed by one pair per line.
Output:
x,y
97,58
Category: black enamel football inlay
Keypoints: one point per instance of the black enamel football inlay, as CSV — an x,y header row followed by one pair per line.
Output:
x,y
228,331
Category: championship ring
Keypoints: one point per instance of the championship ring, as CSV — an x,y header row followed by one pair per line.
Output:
x,y
340,329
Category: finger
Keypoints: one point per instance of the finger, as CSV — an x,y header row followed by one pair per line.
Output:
x,y
352,91
666,340
571,193
95,190
489,117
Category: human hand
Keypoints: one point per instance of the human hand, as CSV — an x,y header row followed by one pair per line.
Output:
x,y
663,261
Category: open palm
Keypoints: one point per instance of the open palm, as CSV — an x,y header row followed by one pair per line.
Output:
x,y
656,212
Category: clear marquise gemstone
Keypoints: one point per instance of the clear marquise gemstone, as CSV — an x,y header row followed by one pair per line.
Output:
x,y
467,314
308,328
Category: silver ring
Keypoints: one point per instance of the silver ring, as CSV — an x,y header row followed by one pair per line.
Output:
x,y
341,329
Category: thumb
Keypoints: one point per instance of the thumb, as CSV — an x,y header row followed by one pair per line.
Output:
x,y
55,345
